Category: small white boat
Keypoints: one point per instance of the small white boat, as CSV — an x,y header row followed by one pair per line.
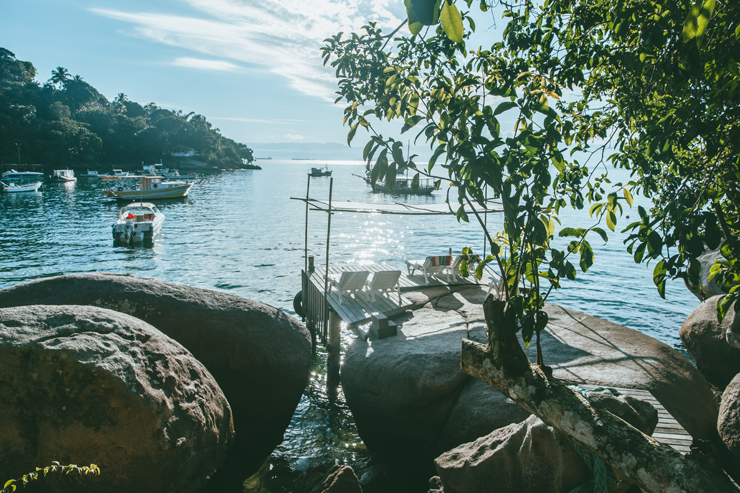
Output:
x,y
152,187
137,223
21,175
325,171
92,174
175,175
27,187
122,175
153,169
63,175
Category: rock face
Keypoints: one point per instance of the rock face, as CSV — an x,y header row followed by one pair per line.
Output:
x,y
728,423
259,355
520,458
531,456
706,340
410,398
86,385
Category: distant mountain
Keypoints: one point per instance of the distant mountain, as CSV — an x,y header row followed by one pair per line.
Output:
x,y
330,151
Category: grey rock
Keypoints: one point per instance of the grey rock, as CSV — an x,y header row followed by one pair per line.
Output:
x,y
530,456
707,288
259,355
86,385
706,340
728,424
526,457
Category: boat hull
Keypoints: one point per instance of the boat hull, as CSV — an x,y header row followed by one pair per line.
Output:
x,y
172,192
30,187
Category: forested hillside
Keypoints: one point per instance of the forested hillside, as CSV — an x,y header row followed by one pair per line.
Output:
x,y
67,121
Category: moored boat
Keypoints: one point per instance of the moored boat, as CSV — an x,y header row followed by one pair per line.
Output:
x,y
403,186
92,174
137,222
325,171
175,175
27,187
21,175
153,169
63,175
151,187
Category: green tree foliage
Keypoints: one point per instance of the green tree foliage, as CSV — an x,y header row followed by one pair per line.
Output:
x,y
576,77
67,121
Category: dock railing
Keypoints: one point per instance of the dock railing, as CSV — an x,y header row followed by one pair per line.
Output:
x,y
316,307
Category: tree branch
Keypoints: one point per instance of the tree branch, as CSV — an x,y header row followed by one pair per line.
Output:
x,y
644,461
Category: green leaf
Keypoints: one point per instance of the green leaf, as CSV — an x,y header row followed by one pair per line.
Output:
x,y
696,22
366,150
451,21
611,220
627,196
351,134
397,151
415,183
506,105
601,233
415,27
659,278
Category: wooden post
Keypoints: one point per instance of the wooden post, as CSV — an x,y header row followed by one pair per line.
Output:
x,y
305,243
325,302
334,349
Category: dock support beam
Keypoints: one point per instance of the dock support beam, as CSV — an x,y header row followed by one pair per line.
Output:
x,y
334,348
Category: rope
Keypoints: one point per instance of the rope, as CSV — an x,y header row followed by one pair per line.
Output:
x,y
602,480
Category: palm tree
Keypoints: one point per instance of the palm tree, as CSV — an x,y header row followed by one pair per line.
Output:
x,y
121,98
60,76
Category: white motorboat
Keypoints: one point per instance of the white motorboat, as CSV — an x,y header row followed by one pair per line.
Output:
x,y
153,169
22,175
63,175
27,187
151,187
137,223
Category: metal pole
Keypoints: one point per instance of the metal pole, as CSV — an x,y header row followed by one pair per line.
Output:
x,y
485,223
333,344
19,153
305,244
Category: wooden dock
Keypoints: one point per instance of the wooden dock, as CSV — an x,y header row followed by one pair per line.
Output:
x,y
356,309
668,431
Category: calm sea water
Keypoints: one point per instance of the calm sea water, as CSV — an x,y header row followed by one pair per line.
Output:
x,y
240,232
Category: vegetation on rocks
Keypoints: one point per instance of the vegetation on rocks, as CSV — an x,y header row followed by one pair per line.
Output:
x,y
11,485
67,121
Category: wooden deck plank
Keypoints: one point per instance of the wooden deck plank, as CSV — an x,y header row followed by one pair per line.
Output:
x,y
668,431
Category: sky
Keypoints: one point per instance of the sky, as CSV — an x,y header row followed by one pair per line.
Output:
x,y
252,67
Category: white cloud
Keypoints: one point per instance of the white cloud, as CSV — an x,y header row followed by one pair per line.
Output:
x,y
284,36
294,136
201,64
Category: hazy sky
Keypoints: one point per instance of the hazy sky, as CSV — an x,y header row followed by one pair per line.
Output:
x,y
252,67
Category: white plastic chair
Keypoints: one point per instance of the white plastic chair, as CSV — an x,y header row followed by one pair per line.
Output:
x,y
428,268
349,282
453,270
384,281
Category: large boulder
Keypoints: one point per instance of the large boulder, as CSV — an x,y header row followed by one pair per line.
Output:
x,y
706,340
259,355
408,394
531,456
728,423
86,385
410,398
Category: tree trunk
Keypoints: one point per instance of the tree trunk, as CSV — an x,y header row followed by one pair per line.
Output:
x,y
644,461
